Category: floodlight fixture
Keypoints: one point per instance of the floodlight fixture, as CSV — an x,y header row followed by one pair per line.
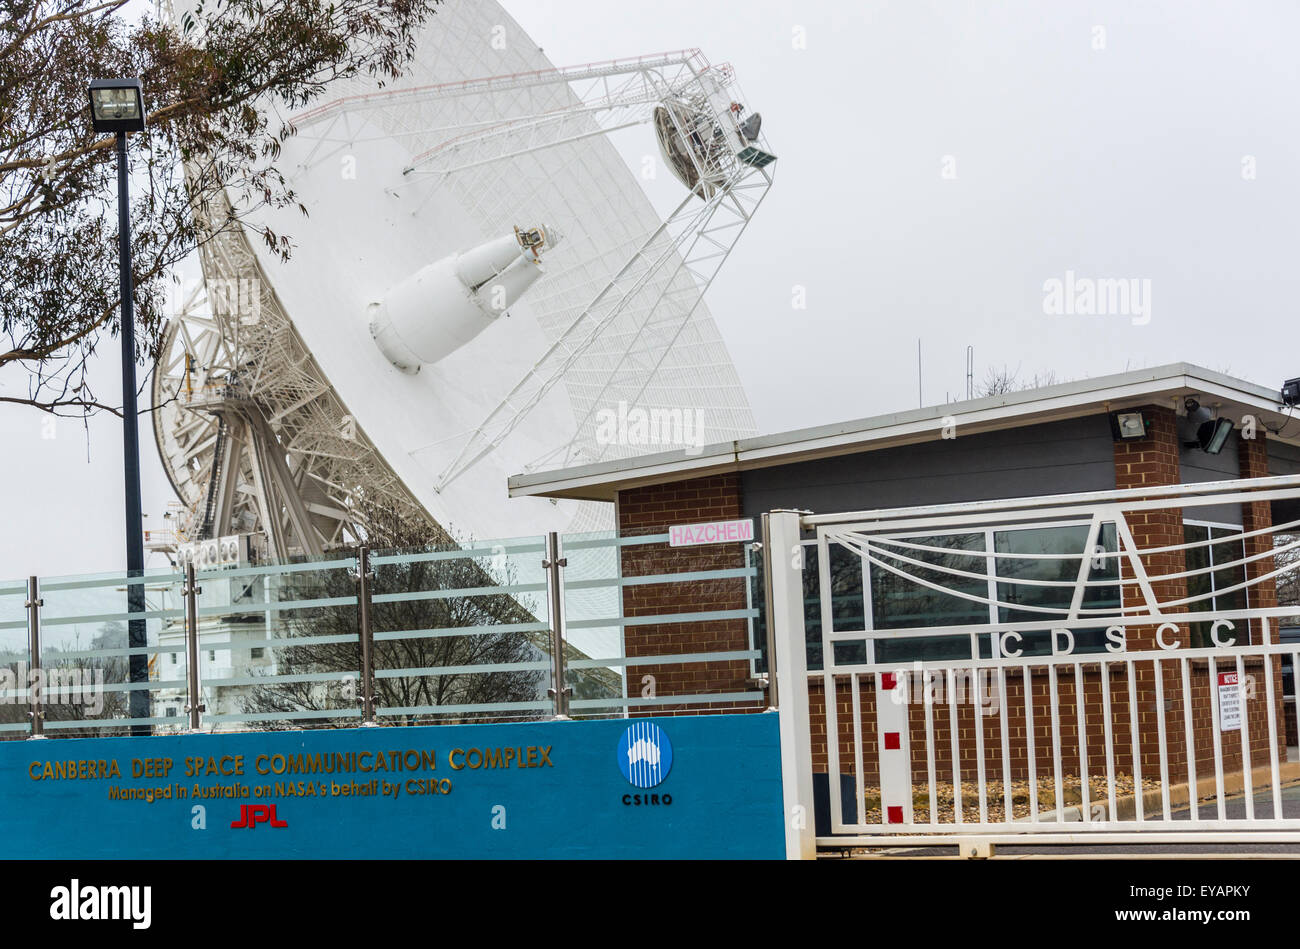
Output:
x,y
1211,433
1128,426
117,105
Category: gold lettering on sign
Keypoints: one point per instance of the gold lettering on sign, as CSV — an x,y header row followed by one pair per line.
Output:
x,y
154,773
74,770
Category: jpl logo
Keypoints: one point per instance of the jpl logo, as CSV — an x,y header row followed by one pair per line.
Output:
x,y
250,815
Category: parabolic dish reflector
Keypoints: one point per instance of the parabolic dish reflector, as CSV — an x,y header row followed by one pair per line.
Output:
x,y
282,408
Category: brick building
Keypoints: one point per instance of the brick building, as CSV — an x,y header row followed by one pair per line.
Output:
x,y
1055,440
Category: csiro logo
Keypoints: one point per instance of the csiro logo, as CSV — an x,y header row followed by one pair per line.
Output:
x,y
645,755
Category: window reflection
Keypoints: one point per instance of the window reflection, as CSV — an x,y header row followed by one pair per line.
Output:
x,y
900,599
1212,555
899,602
1047,544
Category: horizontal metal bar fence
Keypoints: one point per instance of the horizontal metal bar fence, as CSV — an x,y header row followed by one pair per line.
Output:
x,y
279,644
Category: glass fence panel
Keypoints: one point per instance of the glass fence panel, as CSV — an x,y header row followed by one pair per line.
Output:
x,y
658,629
279,646
462,632
97,681
592,611
14,660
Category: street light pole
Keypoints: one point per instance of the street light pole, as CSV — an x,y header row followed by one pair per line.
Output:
x,y
137,634
117,105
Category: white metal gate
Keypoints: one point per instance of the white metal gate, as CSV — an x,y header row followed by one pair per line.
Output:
x,y
1092,688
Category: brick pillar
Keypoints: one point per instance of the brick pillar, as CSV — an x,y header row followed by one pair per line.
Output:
x,y
1144,463
1252,456
652,510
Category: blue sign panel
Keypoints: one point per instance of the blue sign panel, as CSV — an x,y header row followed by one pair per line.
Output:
x,y
698,786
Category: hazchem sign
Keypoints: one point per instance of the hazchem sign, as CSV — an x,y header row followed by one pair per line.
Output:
x,y
1229,702
717,532
529,791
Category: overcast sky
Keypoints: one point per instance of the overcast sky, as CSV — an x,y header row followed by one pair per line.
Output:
x,y
939,164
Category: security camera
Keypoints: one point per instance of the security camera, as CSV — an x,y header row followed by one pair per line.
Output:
x,y
1211,433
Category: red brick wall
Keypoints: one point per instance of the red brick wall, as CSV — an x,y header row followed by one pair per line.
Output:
x,y
652,510
983,703
1068,726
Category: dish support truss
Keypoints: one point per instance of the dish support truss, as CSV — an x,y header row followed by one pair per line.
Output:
x,y
260,441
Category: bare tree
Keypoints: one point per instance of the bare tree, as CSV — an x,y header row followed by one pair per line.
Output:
x,y
427,641
1004,380
1288,583
72,688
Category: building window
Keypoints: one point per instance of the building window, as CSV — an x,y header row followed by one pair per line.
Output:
x,y
1211,555
1039,541
892,600
898,602
173,658
257,652
889,594
212,655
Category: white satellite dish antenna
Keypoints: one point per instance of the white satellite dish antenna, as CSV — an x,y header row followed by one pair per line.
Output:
x,y
480,276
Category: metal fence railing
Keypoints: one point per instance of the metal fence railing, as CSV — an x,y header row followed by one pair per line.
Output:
x,y
1098,667
528,628
1152,740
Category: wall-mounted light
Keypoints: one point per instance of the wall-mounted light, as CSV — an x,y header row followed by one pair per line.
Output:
x,y
1211,433
1128,426
1291,392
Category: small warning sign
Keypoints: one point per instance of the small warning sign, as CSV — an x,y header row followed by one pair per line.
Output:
x,y
1229,702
